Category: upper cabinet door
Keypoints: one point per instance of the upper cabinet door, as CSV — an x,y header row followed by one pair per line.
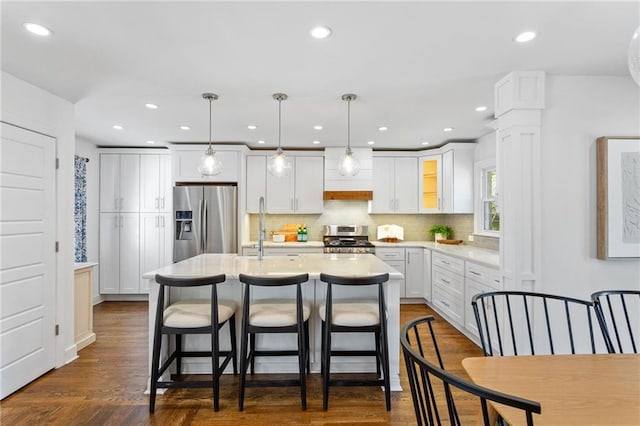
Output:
x,y
109,182
129,182
149,183
431,184
383,185
309,185
406,185
166,184
256,181
279,193
186,166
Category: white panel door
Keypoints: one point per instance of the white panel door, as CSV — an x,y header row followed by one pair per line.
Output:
x,y
280,195
27,261
166,187
130,182
151,246
256,181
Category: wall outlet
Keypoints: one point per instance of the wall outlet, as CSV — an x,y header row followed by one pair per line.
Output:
x,y
470,237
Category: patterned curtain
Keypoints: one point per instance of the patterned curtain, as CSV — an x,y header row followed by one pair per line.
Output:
x,y
80,210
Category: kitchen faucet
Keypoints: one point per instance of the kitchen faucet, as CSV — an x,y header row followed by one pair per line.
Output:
x,y
261,230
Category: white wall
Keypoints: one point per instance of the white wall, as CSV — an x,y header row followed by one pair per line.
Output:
x,y
485,148
88,150
578,111
30,107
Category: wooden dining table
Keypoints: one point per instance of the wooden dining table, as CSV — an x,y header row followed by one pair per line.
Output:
x,y
572,389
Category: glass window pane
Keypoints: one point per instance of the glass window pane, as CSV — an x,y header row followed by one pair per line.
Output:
x,y
491,216
491,183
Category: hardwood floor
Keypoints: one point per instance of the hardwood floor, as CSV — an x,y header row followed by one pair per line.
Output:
x,y
105,385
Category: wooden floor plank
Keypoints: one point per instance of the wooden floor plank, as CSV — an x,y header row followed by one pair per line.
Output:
x,y
105,385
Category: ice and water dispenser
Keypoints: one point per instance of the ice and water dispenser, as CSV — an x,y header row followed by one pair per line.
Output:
x,y
184,225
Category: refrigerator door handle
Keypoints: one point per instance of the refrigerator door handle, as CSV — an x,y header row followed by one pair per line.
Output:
x,y
205,227
199,246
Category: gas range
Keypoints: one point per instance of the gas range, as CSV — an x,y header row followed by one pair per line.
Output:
x,y
347,239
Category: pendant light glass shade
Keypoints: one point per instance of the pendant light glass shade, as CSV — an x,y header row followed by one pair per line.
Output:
x,y
349,164
633,56
209,164
279,165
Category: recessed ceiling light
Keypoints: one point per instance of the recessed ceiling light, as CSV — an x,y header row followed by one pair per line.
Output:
x,y
321,32
371,142
37,29
448,129
315,142
151,142
383,128
261,142
117,127
481,108
525,36
185,128
252,127
425,143
317,127
151,106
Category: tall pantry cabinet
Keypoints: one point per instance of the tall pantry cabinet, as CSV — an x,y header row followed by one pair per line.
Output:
x,y
135,219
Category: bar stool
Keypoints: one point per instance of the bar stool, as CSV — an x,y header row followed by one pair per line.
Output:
x,y
355,316
274,316
193,316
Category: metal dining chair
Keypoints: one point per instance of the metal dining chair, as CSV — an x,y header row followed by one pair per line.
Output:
x,y
434,405
526,323
618,314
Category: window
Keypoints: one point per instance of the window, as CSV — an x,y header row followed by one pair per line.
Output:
x,y
487,215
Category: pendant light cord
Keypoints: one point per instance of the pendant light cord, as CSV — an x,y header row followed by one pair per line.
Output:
x,y
349,125
279,121
210,100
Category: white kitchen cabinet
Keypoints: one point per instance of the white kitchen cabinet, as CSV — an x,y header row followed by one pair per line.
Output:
x,y
395,185
119,182
448,287
446,183
187,159
426,276
256,182
155,183
480,279
156,244
414,272
300,191
119,253
394,257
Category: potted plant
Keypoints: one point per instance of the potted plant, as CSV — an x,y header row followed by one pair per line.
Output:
x,y
440,232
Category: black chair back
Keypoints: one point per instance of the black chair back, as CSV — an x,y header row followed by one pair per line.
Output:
x,y
618,314
424,378
525,323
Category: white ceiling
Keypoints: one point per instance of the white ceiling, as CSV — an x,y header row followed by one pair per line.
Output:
x,y
416,67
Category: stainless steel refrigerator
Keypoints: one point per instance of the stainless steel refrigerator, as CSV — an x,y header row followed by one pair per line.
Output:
x,y
205,219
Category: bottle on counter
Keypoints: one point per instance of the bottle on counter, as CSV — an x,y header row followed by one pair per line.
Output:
x,y
305,236
299,234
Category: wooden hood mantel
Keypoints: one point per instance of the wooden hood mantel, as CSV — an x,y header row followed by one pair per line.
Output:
x,y
348,195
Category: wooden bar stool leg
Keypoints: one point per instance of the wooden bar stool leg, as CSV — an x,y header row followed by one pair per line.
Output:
x,y
243,366
234,349
178,354
378,353
252,351
385,364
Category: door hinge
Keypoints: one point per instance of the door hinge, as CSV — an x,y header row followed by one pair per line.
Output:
x,y
57,329
57,246
57,163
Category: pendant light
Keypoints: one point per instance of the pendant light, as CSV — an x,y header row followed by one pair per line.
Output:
x,y
349,164
279,165
209,164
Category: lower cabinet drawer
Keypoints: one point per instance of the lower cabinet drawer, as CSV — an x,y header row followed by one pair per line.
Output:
x,y
449,304
453,282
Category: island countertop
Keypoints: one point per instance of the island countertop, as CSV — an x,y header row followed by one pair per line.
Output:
x,y
233,265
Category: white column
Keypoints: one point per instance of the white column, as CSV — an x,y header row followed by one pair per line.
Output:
x,y
519,99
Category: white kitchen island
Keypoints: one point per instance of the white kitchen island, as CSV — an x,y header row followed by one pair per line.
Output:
x,y
313,291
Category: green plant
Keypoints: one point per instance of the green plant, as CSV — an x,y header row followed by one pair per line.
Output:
x,y
440,229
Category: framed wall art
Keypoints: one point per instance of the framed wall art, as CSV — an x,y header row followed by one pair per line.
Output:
x,y
618,197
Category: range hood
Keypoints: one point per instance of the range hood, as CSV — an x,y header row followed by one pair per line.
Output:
x,y
338,187
348,195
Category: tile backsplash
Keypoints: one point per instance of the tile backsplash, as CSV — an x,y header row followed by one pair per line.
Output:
x,y
416,226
